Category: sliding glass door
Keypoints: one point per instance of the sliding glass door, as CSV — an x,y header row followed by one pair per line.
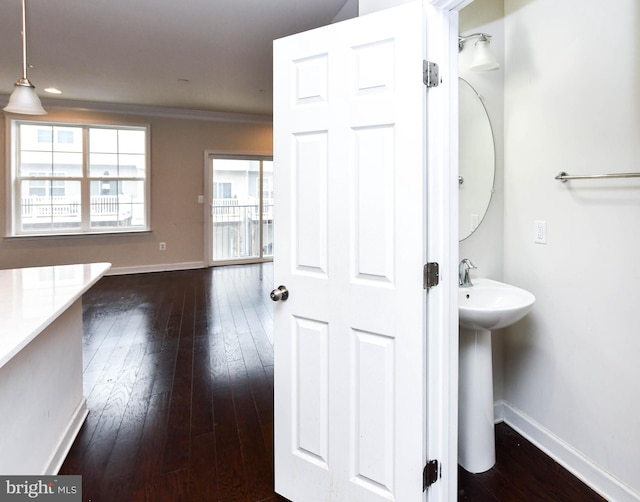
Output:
x,y
241,201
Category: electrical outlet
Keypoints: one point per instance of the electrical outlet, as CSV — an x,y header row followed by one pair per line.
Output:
x,y
200,199
540,235
475,221
163,246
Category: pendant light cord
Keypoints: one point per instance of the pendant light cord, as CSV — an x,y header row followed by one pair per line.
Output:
x,y
24,42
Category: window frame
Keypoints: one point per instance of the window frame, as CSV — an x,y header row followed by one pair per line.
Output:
x,y
13,227
210,157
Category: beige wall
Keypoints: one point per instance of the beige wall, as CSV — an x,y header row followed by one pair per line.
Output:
x,y
177,178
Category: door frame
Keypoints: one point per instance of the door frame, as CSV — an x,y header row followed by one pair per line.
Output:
x,y
443,248
208,200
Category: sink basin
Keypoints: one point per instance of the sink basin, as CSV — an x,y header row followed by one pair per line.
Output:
x,y
492,305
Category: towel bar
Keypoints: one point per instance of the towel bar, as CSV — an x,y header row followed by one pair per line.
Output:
x,y
564,176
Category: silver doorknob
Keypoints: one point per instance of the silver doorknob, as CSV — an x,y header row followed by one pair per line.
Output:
x,y
281,293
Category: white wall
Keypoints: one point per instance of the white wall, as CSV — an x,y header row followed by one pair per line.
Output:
x,y
485,246
572,103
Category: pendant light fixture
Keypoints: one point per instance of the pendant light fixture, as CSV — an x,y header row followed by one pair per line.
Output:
x,y
24,99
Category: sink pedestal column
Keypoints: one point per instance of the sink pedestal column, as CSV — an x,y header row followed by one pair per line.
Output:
x,y
476,432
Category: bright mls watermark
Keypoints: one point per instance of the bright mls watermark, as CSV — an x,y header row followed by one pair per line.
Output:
x,y
41,488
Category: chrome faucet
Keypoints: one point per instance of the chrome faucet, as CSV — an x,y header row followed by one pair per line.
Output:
x,y
464,281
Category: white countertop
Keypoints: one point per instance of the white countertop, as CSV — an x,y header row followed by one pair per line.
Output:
x,y
32,298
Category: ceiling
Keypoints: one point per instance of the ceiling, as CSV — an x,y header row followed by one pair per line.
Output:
x,y
210,55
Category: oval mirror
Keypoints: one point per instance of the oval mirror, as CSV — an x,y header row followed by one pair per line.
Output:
x,y
477,160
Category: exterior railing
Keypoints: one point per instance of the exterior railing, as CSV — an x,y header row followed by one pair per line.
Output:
x,y
229,210
102,207
236,228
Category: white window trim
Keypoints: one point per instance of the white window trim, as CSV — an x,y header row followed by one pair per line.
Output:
x,y
12,213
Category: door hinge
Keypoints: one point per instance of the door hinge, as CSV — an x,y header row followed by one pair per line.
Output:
x,y
431,275
431,474
431,74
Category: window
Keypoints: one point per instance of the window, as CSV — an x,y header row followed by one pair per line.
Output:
x,y
267,184
222,190
45,135
66,137
71,179
242,210
42,188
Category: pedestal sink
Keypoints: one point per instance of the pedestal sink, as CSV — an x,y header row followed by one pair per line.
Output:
x,y
485,306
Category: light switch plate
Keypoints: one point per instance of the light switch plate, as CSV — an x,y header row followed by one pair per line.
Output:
x,y
540,232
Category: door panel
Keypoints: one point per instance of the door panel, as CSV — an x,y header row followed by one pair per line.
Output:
x,y
373,204
311,395
350,342
310,205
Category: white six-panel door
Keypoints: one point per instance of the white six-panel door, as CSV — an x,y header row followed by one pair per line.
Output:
x,y
350,341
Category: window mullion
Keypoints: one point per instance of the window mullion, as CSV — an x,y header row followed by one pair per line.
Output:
x,y
16,183
85,184
260,215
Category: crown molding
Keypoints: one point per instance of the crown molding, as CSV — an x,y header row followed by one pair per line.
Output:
x,y
150,111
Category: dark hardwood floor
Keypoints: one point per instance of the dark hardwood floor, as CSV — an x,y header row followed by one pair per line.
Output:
x,y
179,380
522,473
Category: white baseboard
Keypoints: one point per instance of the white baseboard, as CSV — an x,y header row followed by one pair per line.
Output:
x,y
571,459
168,267
61,452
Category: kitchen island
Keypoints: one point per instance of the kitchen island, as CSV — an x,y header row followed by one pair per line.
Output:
x,y
42,405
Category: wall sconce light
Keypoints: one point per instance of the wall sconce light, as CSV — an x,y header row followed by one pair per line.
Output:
x,y
24,99
483,57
